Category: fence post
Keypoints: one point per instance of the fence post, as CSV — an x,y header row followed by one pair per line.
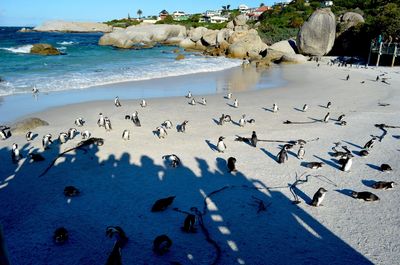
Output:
x,y
394,54
379,54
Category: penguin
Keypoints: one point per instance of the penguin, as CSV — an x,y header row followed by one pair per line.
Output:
x,y
227,118
167,124
126,134
231,164
71,133
236,103
203,101
85,135
341,117
193,102
188,224
63,137
36,157
3,134
135,119
29,136
368,145
128,117
182,127
107,124
275,108
343,123
254,139
318,197
385,168
242,121
162,244
115,257
282,155
377,78
71,191
143,103
162,204
117,103
314,165
347,163
305,107
251,121
101,122
229,95
365,195
60,235
189,95
79,122
15,154
35,90
326,118
222,120
173,159
383,185
301,152
162,132
46,141
347,77
328,105
221,147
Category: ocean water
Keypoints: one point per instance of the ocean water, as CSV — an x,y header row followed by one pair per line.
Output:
x,y
86,64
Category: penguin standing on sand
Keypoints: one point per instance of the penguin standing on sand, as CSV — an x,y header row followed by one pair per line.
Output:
x,y
46,141
305,107
203,101
229,96
189,95
29,136
79,122
347,77
231,164
221,147
326,118
162,132
347,163
107,124
275,108
101,122
143,103
35,90
254,139
368,145
236,103
242,121
182,127
126,135
301,152
63,137
167,124
135,119
71,133
318,197
188,224
193,102
329,105
341,117
173,160
85,135
283,155
117,103
15,154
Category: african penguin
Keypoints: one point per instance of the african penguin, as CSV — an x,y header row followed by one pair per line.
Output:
x,y
229,96
79,122
365,195
46,141
203,101
301,152
71,133
193,102
305,107
347,163
126,135
368,145
85,135
117,103
29,136
326,118
107,124
135,119
143,103
182,127
162,132
101,122
275,108
236,103
383,185
167,124
15,154
63,137
231,164
189,95
254,139
328,105
242,121
221,147
173,159
318,197
282,155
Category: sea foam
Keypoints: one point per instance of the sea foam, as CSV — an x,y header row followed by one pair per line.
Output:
x,y
19,49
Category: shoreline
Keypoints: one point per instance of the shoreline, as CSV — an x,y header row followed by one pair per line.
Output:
x,y
205,83
121,180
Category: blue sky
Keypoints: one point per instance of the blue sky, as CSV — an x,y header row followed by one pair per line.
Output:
x,y
34,12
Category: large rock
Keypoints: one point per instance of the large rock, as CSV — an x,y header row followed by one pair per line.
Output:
x,y
210,38
285,46
348,36
223,35
44,49
146,33
190,45
294,58
69,26
317,35
195,34
246,44
240,20
352,18
27,125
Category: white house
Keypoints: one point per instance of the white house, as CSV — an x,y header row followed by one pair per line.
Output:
x,y
178,14
243,9
211,13
218,19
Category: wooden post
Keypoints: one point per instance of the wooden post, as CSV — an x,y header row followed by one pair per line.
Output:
x,y
379,54
394,54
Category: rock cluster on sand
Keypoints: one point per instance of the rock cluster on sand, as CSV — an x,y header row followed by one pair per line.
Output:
x,y
44,49
69,26
317,35
28,124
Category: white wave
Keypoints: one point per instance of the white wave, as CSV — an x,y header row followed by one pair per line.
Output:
x,y
19,49
66,42
62,48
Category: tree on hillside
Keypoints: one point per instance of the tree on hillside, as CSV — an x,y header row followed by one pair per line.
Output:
x,y
262,4
139,13
228,7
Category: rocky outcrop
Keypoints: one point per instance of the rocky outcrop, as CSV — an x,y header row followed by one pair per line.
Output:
x,y
147,33
317,35
348,35
285,46
69,26
293,58
246,44
44,49
27,125
350,19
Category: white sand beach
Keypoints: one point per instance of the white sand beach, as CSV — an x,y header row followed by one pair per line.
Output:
x,y
120,180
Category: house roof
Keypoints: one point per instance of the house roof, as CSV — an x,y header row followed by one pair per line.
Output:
x,y
262,9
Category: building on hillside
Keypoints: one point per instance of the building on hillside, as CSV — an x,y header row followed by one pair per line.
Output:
x,y
218,19
213,16
179,16
211,13
326,3
254,15
243,9
282,3
163,14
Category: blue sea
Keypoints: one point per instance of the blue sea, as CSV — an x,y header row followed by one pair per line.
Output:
x,y
86,64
